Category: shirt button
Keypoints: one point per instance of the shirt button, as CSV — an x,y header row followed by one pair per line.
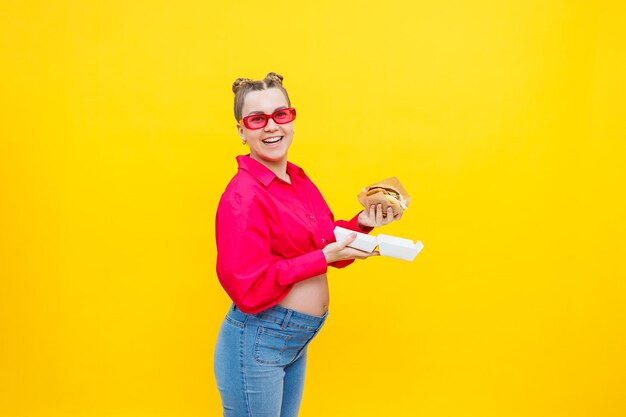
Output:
x,y
312,217
323,240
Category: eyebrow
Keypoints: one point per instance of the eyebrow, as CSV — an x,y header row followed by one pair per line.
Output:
x,y
260,112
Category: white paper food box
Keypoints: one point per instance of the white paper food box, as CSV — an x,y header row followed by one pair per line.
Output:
x,y
397,247
392,246
362,242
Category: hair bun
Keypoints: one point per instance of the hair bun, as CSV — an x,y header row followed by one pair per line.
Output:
x,y
241,82
277,78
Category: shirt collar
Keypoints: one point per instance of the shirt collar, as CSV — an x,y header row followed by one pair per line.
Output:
x,y
263,173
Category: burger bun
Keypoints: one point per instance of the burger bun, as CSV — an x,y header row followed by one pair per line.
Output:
x,y
388,193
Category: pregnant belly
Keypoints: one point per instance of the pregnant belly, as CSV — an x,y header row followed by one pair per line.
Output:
x,y
310,296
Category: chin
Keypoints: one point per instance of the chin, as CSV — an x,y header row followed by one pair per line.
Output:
x,y
274,158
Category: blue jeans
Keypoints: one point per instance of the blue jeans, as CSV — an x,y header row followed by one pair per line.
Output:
x,y
260,361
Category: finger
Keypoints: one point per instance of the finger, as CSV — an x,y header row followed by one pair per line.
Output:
x,y
398,216
379,214
349,239
372,212
389,217
370,254
359,254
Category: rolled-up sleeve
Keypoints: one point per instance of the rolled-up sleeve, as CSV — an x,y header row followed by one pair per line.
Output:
x,y
352,224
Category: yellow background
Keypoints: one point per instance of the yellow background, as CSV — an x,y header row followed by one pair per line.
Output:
x,y
503,119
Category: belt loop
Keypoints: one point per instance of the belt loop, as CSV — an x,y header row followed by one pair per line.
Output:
x,y
286,319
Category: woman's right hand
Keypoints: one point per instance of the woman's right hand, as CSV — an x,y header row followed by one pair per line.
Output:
x,y
340,251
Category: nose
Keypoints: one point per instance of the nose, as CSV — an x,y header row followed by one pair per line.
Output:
x,y
271,125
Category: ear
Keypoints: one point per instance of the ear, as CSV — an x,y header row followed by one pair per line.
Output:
x,y
240,131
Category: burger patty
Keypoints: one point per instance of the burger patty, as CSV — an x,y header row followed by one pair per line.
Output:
x,y
387,191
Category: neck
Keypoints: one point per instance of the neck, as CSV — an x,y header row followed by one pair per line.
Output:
x,y
279,167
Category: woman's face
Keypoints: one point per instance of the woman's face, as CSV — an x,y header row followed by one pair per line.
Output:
x,y
270,143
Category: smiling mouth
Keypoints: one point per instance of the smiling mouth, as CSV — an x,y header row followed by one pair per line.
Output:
x,y
275,139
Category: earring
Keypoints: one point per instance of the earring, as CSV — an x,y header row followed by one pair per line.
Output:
x,y
243,142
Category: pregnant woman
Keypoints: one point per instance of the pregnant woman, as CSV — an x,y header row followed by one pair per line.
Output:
x,y
275,241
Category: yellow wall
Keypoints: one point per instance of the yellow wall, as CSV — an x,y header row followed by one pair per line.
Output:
x,y
501,118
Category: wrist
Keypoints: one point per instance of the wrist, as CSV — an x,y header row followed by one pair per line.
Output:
x,y
359,223
326,256
364,228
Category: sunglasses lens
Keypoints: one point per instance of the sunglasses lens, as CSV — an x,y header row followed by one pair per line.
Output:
x,y
283,116
256,121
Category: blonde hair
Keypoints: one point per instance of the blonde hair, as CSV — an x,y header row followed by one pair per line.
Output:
x,y
242,86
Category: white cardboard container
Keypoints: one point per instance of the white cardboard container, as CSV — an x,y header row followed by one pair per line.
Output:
x,y
391,246
362,242
399,248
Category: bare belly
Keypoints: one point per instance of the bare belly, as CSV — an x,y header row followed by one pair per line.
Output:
x,y
310,296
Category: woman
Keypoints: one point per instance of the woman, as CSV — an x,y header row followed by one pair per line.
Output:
x,y
274,234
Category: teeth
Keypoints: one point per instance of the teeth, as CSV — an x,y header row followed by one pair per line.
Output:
x,y
273,140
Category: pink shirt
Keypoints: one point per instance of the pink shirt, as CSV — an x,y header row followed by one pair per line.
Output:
x,y
270,234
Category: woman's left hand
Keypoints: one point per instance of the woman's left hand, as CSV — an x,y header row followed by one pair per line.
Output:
x,y
374,216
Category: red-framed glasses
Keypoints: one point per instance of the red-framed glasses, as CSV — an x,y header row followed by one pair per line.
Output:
x,y
259,120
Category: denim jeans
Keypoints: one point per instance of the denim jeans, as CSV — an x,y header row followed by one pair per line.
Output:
x,y
260,361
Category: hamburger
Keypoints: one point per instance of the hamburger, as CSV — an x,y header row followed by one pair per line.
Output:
x,y
389,193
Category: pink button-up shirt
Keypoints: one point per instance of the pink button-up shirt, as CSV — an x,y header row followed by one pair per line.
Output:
x,y
270,234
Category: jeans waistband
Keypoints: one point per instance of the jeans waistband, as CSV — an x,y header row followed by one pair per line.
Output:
x,y
281,315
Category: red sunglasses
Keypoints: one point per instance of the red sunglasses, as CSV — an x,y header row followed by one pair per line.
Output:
x,y
259,120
